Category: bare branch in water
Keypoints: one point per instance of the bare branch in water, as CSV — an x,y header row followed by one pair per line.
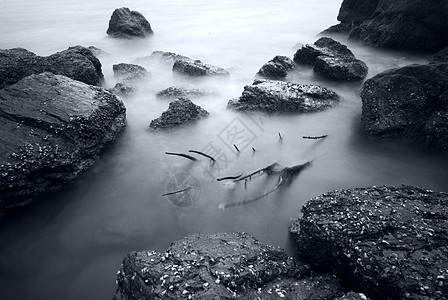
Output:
x,y
280,136
229,177
274,168
236,148
203,154
182,155
315,137
177,192
253,149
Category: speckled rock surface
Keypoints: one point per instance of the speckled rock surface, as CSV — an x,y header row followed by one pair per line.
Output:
x,y
174,92
123,90
180,112
280,97
220,266
277,68
130,72
52,129
198,69
389,242
127,24
77,62
441,56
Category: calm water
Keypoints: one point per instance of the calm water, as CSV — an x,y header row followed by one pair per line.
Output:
x,y
71,243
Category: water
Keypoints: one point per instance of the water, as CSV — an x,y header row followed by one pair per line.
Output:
x,y
70,244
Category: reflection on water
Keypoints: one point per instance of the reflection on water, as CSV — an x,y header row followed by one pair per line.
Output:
x,y
71,243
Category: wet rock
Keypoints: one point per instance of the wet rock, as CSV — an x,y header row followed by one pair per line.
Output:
x,y
180,112
409,102
128,24
123,90
389,242
130,72
52,129
280,97
220,266
332,60
353,296
198,69
174,92
277,68
441,56
407,25
77,62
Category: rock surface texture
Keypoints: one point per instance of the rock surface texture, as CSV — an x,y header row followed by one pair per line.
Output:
x,y
417,25
282,97
130,72
174,92
332,60
128,24
220,266
180,112
52,129
277,68
77,62
389,242
197,69
409,102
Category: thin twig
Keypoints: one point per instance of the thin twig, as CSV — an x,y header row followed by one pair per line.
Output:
x,y
280,136
269,169
182,155
177,192
203,154
315,137
229,177
236,148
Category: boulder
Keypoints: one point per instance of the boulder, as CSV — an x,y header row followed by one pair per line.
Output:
x,y
128,24
181,111
220,266
197,69
282,97
331,60
417,25
129,72
123,90
174,92
409,102
52,129
77,62
388,242
277,68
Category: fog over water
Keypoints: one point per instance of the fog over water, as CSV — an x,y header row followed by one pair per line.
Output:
x,y
71,243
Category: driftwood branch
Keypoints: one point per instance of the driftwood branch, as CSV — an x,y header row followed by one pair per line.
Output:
x,y
234,145
274,168
203,154
177,192
315,137
182,155
229,178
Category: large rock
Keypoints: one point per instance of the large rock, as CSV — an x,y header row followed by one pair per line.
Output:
x,y
332,60
277,68
180,112
174,92
197,69
417,25
279,97
77,62
409,102
220,266
52,128
389,242
127,24
130,72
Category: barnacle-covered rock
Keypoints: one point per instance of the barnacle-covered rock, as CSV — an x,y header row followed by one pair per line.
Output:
x,y
389,242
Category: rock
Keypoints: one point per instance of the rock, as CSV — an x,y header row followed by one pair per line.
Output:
x,y
409,102
181,111
174,92
280,97
97,51
220,266
77,62
441,56
277,68
332,60
130,72
128,24
417,25
168,58
197,69
52,129
353,296
389,242
123,90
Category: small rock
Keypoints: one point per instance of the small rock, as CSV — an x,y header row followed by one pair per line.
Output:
x,y
198,69
174,92
127,24
130,72
277,68
123,90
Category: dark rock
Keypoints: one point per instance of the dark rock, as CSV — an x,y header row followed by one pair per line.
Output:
x,y
123,90
52,129
174,92
441,56
168,58
127,24
220,266
324,46
181,111
389,242
417,25
130,72
77,62
198,69
277,68
409,102
279,96
352,296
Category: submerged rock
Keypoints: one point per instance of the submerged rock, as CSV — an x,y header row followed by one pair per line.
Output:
x,y
409,102
127,24
279,96
389,242
181,111
163,57
77,62
332,60
198,69
123,90
174,92
277,68
220,266
52,128
130,72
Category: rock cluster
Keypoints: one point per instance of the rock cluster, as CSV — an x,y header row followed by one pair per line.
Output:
x,y
277,68
127,24
197,69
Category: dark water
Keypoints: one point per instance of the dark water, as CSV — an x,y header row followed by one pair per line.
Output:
x,y
70,244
